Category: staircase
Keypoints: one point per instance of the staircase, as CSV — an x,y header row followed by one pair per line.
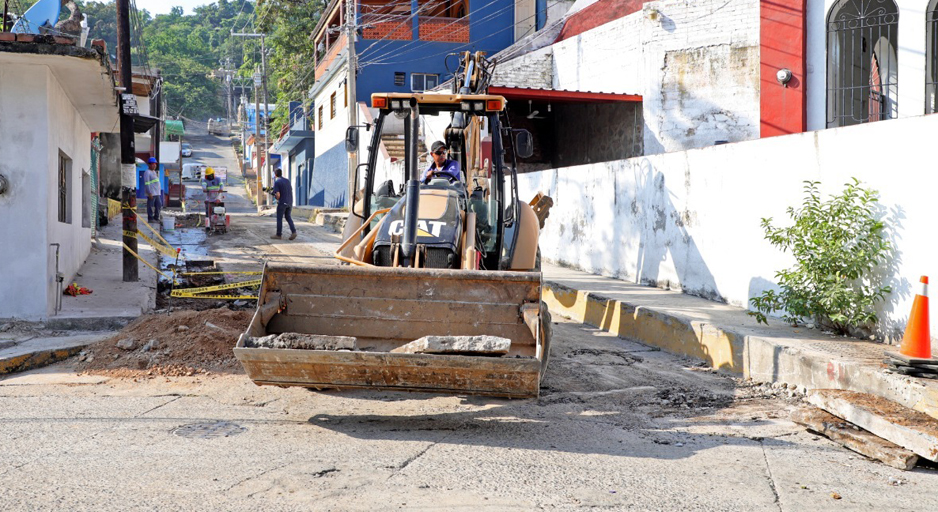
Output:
x,y
394,144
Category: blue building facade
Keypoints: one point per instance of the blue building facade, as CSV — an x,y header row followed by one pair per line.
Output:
x,y
296,145
401,47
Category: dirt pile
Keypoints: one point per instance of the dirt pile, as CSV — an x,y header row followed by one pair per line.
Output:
x,y
178,343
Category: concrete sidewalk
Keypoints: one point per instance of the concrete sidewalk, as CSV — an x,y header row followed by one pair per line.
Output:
x,y
112,303
730,340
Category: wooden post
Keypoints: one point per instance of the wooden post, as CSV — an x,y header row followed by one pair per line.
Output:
x,y
128,168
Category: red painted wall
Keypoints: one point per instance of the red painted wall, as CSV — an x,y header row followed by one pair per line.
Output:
x,y
782,39
600,13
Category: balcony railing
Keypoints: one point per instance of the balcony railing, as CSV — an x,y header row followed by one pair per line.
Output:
x,y
447,30
387,26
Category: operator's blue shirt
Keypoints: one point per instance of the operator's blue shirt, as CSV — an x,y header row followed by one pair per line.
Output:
x,y
282,185
450,168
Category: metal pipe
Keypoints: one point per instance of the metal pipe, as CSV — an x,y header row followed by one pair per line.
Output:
x,y
412,204
58,280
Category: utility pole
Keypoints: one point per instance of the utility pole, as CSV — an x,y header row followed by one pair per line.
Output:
x,y
268,162
350,33
257,113
6,11
128,168
257,139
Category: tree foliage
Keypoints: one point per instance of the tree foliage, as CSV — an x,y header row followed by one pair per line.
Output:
x,y
290,63
836,245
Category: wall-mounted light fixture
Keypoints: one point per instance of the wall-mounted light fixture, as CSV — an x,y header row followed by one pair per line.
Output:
x,y
783,76
651,13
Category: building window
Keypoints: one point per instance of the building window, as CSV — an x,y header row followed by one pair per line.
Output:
x,y
320,117
65,188
931,58
420,82
86,213
332,106
399,77
862,67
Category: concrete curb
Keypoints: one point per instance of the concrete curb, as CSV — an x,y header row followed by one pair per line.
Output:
x,y
811,364
110,323
37,353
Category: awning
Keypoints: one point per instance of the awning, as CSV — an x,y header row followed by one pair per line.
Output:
x,y
562,96
291,139
142,123
174,128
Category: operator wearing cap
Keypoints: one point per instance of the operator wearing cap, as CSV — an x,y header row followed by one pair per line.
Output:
x,y
441,167
154,190
212,187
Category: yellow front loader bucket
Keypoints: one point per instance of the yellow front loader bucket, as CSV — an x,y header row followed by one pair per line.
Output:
x,y
386,308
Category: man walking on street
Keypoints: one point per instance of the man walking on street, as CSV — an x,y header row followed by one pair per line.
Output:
x,y
284,195
154,190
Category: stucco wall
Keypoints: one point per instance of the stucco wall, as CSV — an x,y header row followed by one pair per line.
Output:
x,y
910,55
69,134
690,220
701,73
38,120
24,207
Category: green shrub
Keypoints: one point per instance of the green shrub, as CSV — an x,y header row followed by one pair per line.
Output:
x,y
836,245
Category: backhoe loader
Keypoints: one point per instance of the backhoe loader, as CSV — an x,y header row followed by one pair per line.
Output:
x,y
451,261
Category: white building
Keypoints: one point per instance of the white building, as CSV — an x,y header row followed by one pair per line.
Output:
x,y
52,97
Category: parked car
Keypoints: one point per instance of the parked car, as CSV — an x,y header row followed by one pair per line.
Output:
x,y
186,149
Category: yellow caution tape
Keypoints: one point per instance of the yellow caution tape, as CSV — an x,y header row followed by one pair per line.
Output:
x,y
155,232
145,262
165,249
251,273
187,292
218,297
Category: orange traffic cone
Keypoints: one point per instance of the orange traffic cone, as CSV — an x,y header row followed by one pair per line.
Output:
x,y
917,340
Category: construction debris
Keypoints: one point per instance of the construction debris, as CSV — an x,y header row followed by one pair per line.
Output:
x,y
854,438
294,340
469,345
905,427
177,343
912,366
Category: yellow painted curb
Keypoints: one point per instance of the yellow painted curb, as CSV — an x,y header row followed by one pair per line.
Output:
x,y
34,360
722,350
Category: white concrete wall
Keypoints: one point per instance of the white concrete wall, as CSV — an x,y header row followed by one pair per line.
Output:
x,y
333,129
910,54
701,73
691,220
24,208
607,58
67,132
37,120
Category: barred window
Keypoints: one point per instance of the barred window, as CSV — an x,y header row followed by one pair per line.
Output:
x,y
320,117
931,57
862,67
332,106
65,189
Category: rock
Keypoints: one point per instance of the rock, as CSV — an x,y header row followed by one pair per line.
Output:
x,y
6,327
294,340
126,344
474,345
240,303
151,345
89,359
182,328
213,326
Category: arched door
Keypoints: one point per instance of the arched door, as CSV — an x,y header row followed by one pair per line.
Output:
x,y
862,68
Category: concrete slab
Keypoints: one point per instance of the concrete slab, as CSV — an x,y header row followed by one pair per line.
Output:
x,y
730,340
853,438
909,429
112,302
40,352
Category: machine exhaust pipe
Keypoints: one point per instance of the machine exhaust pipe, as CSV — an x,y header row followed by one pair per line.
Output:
x,y
412,198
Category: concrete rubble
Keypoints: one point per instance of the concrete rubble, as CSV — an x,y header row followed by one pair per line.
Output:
x,y
473,345
854,438
293,340
905,427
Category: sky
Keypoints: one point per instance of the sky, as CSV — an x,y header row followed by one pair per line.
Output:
x,y
163,6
